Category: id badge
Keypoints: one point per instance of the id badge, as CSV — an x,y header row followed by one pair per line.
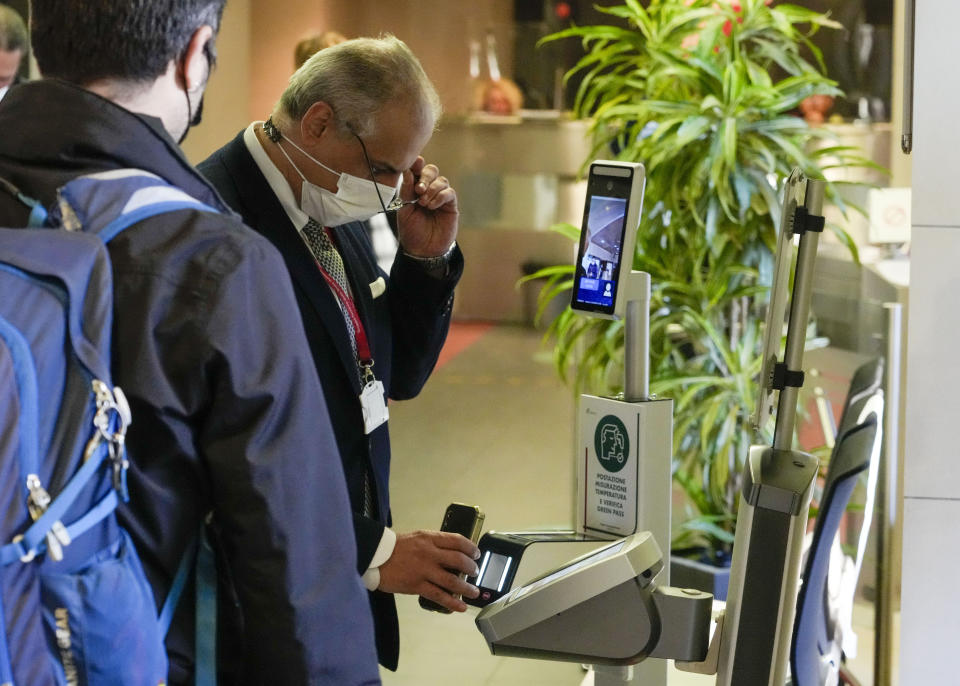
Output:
x,y
373,402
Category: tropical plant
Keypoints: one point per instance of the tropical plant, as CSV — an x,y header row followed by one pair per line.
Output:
x,y
703,92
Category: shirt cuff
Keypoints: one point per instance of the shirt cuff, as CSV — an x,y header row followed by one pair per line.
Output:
x,y
371,577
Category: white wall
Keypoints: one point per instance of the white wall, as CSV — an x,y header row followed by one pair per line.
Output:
x,y
931,552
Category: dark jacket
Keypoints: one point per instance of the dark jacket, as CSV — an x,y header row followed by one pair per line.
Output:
x,y
406,325
228,414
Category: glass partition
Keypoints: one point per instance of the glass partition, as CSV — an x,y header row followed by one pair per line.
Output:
x,y
861,314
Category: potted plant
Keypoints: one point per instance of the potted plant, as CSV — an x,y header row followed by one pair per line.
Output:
x,y
703,92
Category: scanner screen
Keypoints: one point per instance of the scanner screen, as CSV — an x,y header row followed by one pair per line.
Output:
x,y
599,265
495,568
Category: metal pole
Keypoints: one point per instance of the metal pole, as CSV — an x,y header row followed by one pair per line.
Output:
x,y
888,505
799,313
636,333
909,23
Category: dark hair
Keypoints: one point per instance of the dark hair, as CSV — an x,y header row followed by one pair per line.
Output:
x,y
82,41
13,32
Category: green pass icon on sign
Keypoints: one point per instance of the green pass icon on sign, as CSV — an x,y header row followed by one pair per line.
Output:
x,y
611,442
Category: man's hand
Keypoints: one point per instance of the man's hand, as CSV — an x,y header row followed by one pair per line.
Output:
x,y
428,563
428,227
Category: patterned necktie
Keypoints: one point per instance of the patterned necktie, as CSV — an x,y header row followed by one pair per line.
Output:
x,y
331,262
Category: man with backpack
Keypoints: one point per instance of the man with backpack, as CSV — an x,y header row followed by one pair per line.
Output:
x,y
229,421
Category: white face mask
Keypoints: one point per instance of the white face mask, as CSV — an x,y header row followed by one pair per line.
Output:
x,y
356,199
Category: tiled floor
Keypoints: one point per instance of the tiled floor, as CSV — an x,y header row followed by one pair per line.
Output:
x,y
494,427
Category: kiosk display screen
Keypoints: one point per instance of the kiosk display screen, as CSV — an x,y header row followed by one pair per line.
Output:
x,y
600,256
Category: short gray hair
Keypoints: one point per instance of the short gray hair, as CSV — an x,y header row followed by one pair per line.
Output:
x,y
356,78
13,30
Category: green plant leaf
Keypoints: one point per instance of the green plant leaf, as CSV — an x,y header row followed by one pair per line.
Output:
x,y
663,85
569,230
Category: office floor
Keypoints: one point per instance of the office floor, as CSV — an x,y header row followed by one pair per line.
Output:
x,y
494,427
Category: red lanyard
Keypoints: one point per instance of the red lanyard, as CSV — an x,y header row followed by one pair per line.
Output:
x,y
365,359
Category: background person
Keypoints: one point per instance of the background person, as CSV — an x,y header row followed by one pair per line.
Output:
x,y
13,47
309,47
347,131
497,96
228,415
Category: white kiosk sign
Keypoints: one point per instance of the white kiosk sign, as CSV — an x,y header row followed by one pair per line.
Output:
x,y
624,470
608,449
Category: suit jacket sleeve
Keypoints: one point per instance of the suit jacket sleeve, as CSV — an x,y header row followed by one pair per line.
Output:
x,y
420,310
279,492
369,532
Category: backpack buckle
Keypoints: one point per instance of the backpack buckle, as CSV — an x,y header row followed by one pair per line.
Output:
x,y
111,421
37,503
27,555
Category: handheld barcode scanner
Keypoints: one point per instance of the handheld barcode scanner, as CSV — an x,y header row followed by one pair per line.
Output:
x,y
612,608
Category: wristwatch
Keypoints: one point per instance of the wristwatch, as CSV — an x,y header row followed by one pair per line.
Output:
x,y
435,265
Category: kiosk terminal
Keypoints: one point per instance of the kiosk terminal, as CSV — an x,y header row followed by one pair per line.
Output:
x,y
623,449
613,606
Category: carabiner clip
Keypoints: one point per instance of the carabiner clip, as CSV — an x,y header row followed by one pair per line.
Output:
x,y
366,373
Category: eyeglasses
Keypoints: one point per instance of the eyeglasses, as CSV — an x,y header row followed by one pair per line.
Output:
x,y
397,202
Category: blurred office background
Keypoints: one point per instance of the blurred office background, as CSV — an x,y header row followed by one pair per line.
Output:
x,y
495,416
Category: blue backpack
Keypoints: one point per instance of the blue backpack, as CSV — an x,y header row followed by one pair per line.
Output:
x,y
75,606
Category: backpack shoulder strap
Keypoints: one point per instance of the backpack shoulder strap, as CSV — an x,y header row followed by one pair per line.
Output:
x,y
186,565
198,558
38,213
106,203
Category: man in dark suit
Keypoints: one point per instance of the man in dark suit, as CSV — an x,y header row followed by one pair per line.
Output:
x,y
342,145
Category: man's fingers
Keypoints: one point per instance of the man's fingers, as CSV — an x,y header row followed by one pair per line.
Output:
x,y
410,190
417,167
427,175
441,597
456,561
434,200
432,195
452,583
461,587
451,541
